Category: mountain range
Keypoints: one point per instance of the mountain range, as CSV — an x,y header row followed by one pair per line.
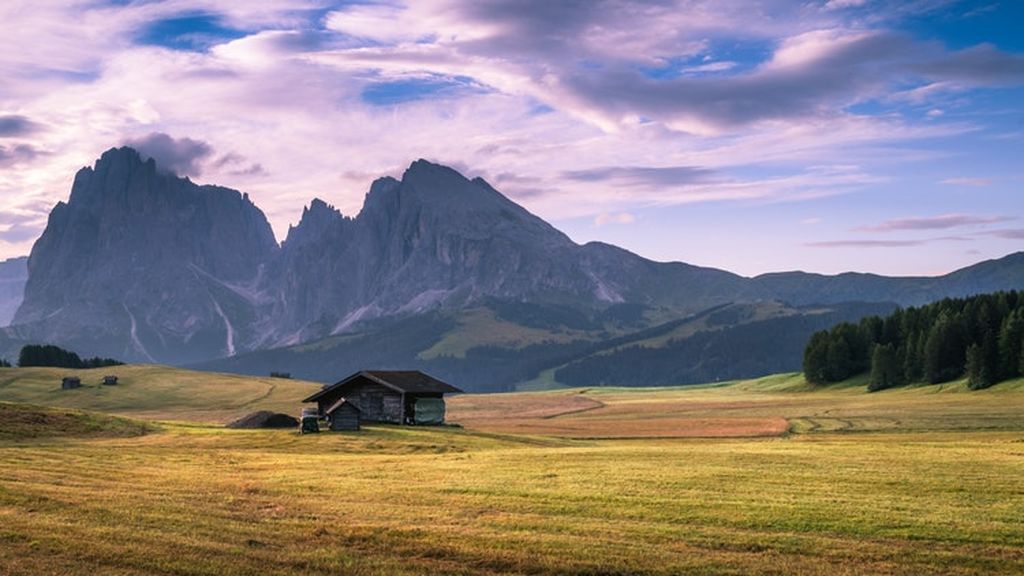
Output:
x,y
436,271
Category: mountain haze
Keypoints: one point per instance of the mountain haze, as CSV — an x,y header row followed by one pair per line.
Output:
x,y
13,275
436,270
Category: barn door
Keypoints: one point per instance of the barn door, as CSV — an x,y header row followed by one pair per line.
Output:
x,y
374,406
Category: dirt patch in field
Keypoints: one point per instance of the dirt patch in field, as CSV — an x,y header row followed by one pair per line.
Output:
x,y
639,428
577,415
475,408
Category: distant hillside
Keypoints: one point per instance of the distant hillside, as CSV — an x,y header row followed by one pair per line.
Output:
x,y
495,348
1005,273
156,392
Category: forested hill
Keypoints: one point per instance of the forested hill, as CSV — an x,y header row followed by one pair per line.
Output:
x,y
981,337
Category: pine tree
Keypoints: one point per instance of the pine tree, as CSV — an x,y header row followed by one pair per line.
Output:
x,y
885,371
978,371
839,360
944,350
912,360
1010,336
816,359
1021,367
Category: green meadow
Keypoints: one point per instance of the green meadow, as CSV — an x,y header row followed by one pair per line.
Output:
x,y
769,476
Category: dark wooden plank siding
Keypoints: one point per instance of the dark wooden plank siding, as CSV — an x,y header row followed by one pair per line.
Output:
x,y
376,403
345,418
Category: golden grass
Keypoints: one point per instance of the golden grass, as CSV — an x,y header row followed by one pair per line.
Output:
x,y
922,481
762,407
198,500
156,392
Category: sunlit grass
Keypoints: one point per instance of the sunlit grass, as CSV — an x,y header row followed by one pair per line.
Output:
x,y
938,492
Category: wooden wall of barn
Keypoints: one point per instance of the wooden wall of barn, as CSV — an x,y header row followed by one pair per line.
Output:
x,y
345,418
376,403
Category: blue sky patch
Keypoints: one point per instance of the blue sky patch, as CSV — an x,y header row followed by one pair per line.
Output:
x,y
394,92
195,33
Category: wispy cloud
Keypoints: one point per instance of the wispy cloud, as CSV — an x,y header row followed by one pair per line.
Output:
x,y
1008,234
884,243
644,176
979,182
18,154
942,222
614,218
17,125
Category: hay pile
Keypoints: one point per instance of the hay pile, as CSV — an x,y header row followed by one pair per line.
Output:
x,y
265,419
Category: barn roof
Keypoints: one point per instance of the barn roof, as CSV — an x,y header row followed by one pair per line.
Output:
x,y
405,381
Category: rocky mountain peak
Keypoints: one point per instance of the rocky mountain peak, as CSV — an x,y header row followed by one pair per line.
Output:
x,y
318,219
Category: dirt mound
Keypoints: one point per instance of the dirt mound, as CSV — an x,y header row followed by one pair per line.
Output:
x,y
265,419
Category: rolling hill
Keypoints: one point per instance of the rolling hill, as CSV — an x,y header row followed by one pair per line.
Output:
x,y
156,392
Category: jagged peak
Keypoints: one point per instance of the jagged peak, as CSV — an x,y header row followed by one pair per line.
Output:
x,y
317,218
318,206
424,170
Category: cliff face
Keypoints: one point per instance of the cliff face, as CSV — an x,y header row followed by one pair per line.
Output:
x,y
145,266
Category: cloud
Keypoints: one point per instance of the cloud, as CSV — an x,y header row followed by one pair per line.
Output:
x,y
884,243
643,176
606,218
18,154
967,181
237,165
182,156
942,222
1008,234
844,4
18,233
17,125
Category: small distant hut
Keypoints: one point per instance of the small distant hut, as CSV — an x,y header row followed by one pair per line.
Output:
x,y
70,382
110,380
343,416
283,375
398,397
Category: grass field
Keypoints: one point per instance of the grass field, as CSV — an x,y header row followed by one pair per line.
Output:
x,y
702,480
156,392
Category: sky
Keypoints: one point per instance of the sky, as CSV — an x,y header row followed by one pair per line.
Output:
x,y
749,135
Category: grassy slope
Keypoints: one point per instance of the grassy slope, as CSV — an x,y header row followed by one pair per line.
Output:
x,y
483,327
684,329
26,422
936,491
156,392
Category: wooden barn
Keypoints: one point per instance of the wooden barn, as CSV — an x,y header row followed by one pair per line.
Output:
x,y
398,397
343,416
70,383
110,380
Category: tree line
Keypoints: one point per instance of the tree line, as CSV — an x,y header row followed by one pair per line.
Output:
x,y
980,337
35,355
